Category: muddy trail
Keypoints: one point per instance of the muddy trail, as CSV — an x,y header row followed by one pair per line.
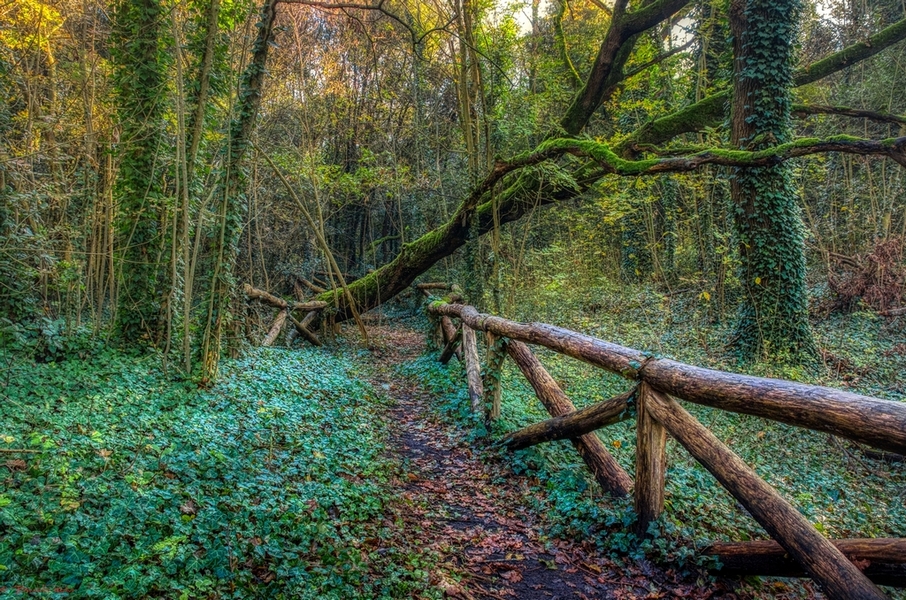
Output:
x,y
471,516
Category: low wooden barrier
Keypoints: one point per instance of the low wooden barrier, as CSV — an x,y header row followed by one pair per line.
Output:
x,y
845,569
285,310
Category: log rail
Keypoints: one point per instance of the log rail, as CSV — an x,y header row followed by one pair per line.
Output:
x,y
845,569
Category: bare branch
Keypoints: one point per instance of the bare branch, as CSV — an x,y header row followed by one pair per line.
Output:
x,y
801,110
379,7
657,59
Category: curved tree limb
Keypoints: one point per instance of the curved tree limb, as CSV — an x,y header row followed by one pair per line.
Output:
x,y
613,53
526,191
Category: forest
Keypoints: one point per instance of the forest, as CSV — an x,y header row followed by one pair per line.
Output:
x,y
453,298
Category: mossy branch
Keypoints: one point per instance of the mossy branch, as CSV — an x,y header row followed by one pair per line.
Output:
x,y
612,164
709,112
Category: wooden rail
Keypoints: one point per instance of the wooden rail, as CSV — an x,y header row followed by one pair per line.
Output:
x,y
798,547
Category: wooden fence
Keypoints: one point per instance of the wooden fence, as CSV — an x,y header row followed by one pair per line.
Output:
x,y
845,569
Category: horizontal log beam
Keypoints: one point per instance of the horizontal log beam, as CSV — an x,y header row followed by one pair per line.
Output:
x,y
277,302
837,576
574,424
875,422
878,423
606,355
883,560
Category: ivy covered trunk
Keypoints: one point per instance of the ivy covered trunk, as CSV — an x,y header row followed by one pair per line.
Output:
x,y
231,215
139,82
773,317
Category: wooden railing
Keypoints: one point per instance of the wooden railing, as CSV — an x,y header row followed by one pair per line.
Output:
x,y
845,569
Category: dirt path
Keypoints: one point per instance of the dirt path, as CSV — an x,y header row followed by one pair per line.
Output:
x,y
470,514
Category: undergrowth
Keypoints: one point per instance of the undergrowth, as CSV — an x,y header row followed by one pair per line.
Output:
x,y
127,483
841,490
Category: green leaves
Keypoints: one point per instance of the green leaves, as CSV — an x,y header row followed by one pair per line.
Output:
x,y
142,486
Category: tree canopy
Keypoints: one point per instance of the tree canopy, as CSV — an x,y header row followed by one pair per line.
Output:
x,y
158,154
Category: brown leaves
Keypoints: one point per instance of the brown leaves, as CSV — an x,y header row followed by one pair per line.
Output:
x,y
188,507
16,464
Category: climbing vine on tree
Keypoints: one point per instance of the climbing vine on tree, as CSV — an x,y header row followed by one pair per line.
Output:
x,y
773,316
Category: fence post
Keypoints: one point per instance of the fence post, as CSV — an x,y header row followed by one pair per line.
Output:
x,y
491,375
650,463
473,367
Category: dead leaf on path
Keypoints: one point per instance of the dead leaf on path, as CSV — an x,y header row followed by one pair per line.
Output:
x,y
512,576
592,567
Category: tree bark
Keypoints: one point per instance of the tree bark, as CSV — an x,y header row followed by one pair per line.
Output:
x,y
773,316
883,560
650,463
573,424
276,327
473,367
603,466
878,423
837,576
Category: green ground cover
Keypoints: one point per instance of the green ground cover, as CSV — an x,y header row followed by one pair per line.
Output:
x,y
137,485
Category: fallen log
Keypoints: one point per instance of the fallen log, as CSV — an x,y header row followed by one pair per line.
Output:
x,y
837,576
302,327
574,424
882,560
606,355
276,327
473,367
893,312
602,464
277,302
875,422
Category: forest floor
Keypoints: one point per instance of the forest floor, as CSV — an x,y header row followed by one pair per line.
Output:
x,y
473,514
352,472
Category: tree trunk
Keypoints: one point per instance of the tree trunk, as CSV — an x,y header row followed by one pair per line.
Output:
x,y
139,82
232,205
773,317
